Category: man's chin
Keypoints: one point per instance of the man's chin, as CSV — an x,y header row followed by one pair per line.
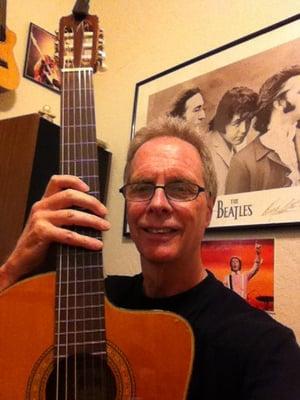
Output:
x,y
159,257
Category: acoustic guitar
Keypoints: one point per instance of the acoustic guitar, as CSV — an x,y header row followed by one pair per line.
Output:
x,y
60,338
9,74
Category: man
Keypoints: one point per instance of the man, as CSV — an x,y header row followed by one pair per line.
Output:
x,y
238,280
229,128
170,187
272,159
190,107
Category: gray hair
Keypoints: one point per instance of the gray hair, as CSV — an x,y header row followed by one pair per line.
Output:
x,y
178,128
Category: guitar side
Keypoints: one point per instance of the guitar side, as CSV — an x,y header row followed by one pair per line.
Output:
x,y
9,73
150,353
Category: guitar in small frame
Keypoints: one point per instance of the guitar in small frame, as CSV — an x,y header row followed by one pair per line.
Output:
x,y
9,73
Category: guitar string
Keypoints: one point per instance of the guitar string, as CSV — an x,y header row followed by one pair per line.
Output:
x,y
85,88
75,87
96,299
91,137
88,275
59,266
67,248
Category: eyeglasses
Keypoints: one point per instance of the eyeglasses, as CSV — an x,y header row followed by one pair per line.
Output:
x,y
177,191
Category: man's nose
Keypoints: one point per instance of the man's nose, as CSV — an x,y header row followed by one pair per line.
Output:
x,y
243,127
160,200
202,115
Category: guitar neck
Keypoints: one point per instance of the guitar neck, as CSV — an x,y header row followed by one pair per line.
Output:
x,y
78,128
80,284
2,20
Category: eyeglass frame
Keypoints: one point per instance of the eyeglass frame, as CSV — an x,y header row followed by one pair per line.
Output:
x,y
200,190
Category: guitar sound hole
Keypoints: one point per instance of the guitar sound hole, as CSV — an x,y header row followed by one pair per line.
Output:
x,y
82,377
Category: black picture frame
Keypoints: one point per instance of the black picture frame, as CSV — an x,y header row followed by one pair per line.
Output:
x,y
214,72
40,65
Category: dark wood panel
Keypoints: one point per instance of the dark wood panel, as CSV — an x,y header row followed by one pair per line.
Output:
x,y
17,147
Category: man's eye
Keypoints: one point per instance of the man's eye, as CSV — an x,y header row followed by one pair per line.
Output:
x,y
180,188
141,188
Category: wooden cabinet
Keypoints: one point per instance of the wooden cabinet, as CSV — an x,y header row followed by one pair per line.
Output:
x,y
28,157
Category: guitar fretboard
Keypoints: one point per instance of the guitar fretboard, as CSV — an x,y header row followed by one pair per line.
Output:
x,y
2,20
80,287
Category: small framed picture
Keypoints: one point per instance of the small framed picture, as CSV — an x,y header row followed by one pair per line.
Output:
x,y
40,65
245,266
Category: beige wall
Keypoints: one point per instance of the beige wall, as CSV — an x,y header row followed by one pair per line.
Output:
x,y
144,37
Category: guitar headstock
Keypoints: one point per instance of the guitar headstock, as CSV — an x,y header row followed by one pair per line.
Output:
x,y
80,41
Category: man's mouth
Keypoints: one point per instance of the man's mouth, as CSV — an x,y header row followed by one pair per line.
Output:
x,y
159,230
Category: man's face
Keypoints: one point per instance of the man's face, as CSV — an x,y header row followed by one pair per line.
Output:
x,y
194,111
163,230
292,86
235,264
236,130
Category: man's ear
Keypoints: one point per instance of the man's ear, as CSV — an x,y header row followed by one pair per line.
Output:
x,y
209,210
279,104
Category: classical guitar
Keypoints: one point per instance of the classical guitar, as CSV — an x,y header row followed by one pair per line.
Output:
x,y
9,74
60,338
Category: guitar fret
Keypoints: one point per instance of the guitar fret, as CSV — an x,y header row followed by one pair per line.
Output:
x,y
90,177
79,281
79,89
86,267
77,144
80,161
78,108
78,308
81,294
95,353
81,343
66,126
81,332
78,320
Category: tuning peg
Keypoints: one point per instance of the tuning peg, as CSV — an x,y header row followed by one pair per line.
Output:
x,y
101,54
101,66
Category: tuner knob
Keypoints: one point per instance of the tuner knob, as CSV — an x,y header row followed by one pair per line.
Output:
x,y
101,66
102,54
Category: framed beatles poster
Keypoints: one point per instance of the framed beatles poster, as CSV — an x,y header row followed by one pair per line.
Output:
x,y
244,100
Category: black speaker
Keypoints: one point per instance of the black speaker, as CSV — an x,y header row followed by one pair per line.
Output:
x,y
29,154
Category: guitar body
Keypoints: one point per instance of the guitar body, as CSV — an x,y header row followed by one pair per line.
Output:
x,y
9,74
149,353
